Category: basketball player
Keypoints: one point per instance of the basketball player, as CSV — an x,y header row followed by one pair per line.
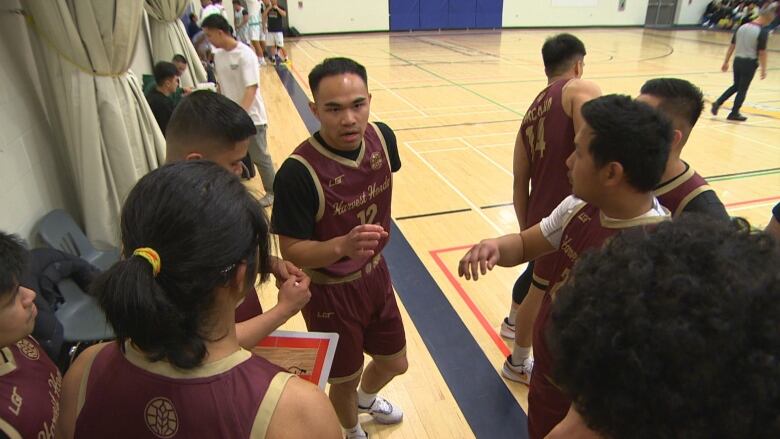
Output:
x,y
273,15
545,140
257,28
619,157
632,330
209,126
177,366
29,381
332,215
682,189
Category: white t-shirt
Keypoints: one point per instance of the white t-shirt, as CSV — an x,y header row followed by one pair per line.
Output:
x,y
552,226
254,9
211,10
236,70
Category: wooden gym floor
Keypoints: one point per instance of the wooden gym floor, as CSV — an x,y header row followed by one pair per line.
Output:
x,y
455,100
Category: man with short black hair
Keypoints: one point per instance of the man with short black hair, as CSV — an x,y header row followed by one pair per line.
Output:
x,y
273,14
166,78
29,381
682,190
332,216
749,44
238,75
544,142
619,157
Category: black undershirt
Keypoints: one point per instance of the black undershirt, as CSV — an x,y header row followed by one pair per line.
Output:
x,y
295,195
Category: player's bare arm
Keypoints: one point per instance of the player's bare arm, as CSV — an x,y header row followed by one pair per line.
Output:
x,y
359,243
729,52
521,171
249,97
303,412
71,383
762,63
506,251
294,294
575,93
282,12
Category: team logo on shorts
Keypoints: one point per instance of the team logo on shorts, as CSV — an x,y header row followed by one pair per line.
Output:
x,y
27,348
376,161
161,417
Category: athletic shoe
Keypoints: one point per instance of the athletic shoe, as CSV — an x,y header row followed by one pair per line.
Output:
x,y
736,117
507,329
261,60
362,435
267,200
715,107
520,373
383,412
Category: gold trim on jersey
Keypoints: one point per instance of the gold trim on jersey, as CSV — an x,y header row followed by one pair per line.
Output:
x,y
85,378
675,182
9,430
612,223
320,278
316,179
9,365
166,369
268,405
337,158
687,199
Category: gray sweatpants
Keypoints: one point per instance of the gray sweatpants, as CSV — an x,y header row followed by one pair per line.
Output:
x,y
258,150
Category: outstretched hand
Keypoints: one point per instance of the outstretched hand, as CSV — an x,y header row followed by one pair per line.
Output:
x,y
479,259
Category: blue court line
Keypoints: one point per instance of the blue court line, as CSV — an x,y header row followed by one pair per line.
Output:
x,y
485,401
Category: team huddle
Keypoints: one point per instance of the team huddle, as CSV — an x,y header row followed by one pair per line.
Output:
x,y
648,311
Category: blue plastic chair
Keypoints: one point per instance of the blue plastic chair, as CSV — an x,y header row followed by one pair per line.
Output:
x,y
59,231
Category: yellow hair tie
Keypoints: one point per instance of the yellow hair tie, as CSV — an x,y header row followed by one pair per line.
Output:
x,y
150,255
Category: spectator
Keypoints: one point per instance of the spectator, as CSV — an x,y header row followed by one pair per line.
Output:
x,y
241,20
166,79
192,27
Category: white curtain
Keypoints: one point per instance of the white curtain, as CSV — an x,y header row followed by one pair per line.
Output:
x,y
169,38
94,104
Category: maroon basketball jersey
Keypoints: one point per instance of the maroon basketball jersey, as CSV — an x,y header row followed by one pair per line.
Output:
x,y
586,229
548,137
351,192
30,386
678,192
128,396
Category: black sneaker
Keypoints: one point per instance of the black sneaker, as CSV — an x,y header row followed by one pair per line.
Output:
x,y
736,117
715,108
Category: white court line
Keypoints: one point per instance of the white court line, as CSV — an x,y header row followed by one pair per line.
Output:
x,y
451,114
487,157
446,181
739,136
403,99
514,133
752,206
496,145
444,150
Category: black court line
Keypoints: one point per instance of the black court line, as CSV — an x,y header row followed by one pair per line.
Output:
x,y
739,174
426,215
493,206
485,401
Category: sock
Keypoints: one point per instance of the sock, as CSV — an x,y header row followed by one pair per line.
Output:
x,y
365,400
354,431
519,354
512,314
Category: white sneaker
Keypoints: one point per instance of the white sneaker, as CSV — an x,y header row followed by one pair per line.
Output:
x,y
383,412
361,435
507,329
519,373
261,60
267,200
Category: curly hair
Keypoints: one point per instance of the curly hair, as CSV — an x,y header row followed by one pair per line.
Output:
x,y
674,333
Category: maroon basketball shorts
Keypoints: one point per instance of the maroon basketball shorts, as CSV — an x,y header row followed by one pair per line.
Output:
x,y
547,405
250,307
364,313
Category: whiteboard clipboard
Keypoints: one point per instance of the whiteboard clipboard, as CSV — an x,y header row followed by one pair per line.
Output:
x,y
309,355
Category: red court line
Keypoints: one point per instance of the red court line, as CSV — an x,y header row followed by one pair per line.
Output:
x,y
466,298
758,200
